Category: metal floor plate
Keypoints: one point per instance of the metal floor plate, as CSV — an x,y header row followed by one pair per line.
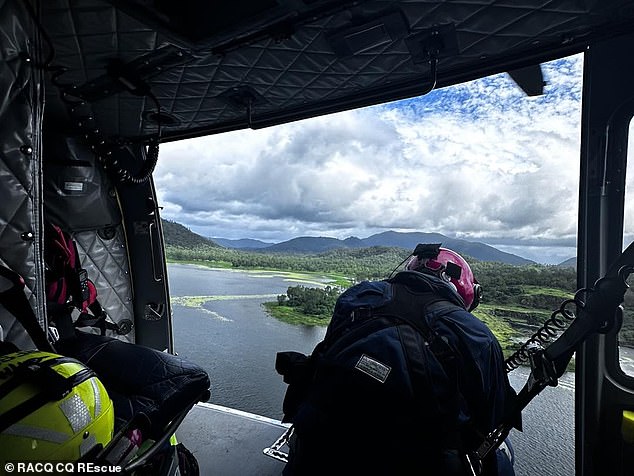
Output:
x,y
228,442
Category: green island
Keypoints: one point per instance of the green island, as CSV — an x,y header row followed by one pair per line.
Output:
x,y
517,299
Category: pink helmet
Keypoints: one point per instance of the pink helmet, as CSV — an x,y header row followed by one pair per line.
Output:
x,y
448,266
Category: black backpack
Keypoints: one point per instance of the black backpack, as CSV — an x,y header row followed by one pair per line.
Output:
x,y
379,395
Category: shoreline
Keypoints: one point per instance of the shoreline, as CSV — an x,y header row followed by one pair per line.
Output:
x,y
311,277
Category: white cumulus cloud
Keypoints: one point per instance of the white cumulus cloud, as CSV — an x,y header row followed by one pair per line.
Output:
x,y
479,161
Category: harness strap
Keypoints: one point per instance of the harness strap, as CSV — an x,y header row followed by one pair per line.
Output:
x,y
15,301
71,288
412,307
53,386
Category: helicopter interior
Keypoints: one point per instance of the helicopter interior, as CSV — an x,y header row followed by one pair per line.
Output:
x,y
92,88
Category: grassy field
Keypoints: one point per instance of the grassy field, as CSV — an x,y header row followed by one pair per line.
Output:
x,y
291,315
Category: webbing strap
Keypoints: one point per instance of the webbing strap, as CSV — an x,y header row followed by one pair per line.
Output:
x,y
52,386
24,370
70,286
412,307
15,301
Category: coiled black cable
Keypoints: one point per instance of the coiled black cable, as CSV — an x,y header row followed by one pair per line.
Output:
x,y
558,322
151,155
73,102
561,318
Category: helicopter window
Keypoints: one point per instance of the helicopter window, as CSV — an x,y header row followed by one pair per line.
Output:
x,y
626,334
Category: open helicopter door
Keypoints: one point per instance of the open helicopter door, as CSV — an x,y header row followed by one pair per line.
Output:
x,y
603,390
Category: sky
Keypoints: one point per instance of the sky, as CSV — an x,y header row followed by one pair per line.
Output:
x,y
479,161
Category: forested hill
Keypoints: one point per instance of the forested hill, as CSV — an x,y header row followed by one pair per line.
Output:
x,y
310,244
176,234
356,263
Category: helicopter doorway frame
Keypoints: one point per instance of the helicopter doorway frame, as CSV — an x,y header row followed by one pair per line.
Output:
x,y
603,391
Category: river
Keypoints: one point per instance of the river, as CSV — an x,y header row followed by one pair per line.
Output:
x,y
220,324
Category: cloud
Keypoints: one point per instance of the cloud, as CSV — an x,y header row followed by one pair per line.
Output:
x,y
478,161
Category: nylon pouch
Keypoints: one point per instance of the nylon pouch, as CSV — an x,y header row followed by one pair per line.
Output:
x,y
78,194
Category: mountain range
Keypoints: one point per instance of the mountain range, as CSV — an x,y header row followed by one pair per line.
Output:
x,y
179,235
312,244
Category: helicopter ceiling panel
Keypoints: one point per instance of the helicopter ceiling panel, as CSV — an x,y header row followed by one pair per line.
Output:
x,y
127,68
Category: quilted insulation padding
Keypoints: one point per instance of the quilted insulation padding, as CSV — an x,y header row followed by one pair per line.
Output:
x,y
106,262
203,88
20,165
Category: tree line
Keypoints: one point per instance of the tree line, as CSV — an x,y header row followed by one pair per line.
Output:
x,y
356,264
500,281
